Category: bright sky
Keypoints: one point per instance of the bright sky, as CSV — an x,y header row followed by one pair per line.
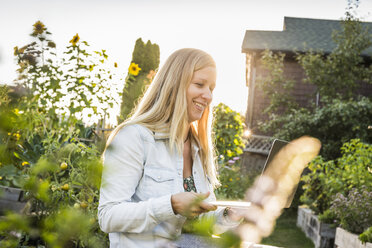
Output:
x,y
216,26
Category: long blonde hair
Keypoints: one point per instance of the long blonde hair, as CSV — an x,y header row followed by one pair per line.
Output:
x,y
163,108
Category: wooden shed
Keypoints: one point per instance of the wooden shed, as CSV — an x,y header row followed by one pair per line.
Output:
x,y
298,35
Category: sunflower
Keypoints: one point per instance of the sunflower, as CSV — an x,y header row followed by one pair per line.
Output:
x,y
134,69
75,40
39,28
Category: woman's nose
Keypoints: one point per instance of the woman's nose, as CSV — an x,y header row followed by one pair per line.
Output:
x,y
207,95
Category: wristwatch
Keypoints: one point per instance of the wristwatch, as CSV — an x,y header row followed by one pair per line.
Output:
x,y
226,212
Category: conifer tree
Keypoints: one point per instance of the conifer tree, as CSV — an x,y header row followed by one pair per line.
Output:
x,y
145,60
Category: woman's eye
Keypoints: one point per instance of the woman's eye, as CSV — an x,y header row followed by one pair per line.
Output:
x,y
199,84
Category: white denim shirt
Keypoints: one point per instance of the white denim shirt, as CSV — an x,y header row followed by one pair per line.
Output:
x,y
140,175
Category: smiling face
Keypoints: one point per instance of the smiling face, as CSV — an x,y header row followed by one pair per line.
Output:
x,y
199,94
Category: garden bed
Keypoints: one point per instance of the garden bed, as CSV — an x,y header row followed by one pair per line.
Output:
x,y
321,234
345,239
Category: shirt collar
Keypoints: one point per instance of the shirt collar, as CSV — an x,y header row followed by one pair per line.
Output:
x,y
195,145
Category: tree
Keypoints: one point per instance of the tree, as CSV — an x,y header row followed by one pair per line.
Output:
x,y
338,74
334,124
275,85
145,60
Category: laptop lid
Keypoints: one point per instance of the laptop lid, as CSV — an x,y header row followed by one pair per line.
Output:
x,y
275,148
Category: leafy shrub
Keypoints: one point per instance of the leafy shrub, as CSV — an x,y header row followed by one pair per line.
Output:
x,y
327,178
334,124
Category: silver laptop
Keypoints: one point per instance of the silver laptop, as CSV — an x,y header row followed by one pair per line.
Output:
x,y
275,148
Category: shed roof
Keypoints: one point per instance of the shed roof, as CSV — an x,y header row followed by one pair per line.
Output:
x,y
299,34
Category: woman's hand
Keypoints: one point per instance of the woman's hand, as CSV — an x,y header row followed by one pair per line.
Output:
x,y
191,204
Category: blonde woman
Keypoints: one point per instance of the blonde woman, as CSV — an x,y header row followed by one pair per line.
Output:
x,y
159,166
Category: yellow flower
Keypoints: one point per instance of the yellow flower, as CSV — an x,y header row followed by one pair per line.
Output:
x,y
75,40
230,179
1,178
25,163
115,65
134,69
39,27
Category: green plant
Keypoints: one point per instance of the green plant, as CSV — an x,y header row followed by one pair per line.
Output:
x,y
69,89
366,236
88,81
327,178
60,186
228,133
44,148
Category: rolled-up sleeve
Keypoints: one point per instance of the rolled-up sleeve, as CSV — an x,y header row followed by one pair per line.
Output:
x,y
123,170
